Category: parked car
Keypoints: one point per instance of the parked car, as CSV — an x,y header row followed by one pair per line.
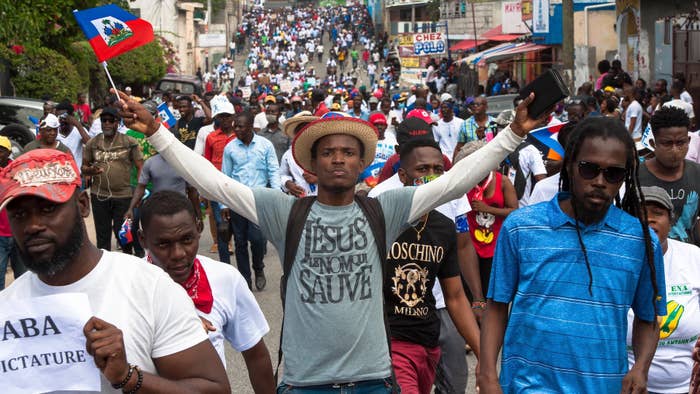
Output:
x,y
498,104
180,83
15,123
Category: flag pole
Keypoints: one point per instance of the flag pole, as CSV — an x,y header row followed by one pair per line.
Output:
x,y
109,76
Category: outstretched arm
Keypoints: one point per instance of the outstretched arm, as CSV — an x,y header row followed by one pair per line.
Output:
x,y
196,170
468,172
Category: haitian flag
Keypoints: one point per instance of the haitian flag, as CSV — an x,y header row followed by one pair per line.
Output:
x,y
166,117
544,136
112,31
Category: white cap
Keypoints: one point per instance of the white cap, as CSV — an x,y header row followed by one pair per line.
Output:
x,y
446,97
127,89
50,121
221,105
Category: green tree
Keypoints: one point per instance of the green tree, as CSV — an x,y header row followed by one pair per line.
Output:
x,y
44,72
141,66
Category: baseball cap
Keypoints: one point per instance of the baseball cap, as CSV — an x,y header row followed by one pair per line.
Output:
x,y
221,105
270,99
413,128
50,121
446,97
377,117
110,111
46,173
5,143
657,195
420,114
373,100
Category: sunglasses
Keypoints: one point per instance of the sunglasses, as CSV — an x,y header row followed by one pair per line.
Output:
x,y
613,174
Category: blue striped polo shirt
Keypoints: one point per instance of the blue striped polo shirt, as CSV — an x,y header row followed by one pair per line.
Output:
x,y
559,338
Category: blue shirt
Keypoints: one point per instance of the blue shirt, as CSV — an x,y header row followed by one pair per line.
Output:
x,y
559,338
254,165
364,115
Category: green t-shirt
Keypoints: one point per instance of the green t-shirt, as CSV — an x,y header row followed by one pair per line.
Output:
x,y
146,148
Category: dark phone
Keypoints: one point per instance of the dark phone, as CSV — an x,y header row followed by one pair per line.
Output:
x,y
549,89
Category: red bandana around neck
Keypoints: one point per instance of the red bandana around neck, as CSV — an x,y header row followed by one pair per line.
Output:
x,y
197,287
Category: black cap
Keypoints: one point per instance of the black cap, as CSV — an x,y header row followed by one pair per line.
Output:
x,y
413,128
110,111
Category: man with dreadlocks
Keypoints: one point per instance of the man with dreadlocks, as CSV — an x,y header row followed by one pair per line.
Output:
x,y
572,267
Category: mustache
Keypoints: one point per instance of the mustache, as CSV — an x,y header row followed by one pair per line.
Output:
x,y
598,194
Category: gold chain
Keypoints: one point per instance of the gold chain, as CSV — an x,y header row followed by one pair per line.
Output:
x,y
425,222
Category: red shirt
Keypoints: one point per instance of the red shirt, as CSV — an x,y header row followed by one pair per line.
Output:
x,y
321,110
484,227
214,147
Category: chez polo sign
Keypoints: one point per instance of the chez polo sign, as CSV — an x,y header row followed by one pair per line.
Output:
x,y
42,345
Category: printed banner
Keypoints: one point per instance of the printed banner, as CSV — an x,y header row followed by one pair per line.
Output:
x,y
428,44
540,16
43,346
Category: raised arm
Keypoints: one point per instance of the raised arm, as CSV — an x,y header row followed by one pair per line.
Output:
x,y
197,170
468,172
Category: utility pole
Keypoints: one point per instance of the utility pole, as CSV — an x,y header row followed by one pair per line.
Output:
x,y
567,46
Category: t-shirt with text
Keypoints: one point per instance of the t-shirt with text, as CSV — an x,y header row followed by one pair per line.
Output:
x,y
186,132
413,264
333,321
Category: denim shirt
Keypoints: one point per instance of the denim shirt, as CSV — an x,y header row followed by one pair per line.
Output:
x,y
253,165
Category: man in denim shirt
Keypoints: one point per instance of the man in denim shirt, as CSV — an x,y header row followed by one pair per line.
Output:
x,y
250,160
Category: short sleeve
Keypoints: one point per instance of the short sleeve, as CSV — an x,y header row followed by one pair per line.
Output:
x,y
396,206
145,176
462,134
643,304
449,267
135,148
538,167
505,269
87,152
177,326
246,323
273,208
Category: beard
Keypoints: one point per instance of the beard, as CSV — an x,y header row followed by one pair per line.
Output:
x,y
64,254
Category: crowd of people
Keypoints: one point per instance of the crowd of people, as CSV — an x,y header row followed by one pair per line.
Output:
x,y
410,225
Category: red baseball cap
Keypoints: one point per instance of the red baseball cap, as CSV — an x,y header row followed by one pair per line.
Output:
x,y
377,117
46,173
420,114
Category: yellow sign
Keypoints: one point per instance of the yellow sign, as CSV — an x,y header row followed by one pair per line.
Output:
x,y
405,39
410,62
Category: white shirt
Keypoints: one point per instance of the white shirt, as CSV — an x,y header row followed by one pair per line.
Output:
x,y
201,140
290,171
545,189
235,313
634,110
155,315
451,209
74,142
687,107
531,163
685,96
446,134
672,364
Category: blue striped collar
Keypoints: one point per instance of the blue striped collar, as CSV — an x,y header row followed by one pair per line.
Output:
x,y
558,218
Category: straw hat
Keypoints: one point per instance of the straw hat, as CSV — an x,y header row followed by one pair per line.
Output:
x,y
291,124
329,124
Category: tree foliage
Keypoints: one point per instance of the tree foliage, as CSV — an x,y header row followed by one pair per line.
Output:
x,y
40,72
141,66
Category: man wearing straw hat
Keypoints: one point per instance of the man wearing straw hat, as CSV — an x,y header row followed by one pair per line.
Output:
x,y
334,336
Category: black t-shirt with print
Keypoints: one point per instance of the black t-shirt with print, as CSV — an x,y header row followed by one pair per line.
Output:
x,y
684,195
187,132
412,268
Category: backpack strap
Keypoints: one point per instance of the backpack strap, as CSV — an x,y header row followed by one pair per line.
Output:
x,y
295,226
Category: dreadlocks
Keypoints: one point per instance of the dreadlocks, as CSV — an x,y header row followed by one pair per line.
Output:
x,y
633,201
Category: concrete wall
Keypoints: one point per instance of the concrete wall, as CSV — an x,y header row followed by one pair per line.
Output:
x,y
486,15
591,45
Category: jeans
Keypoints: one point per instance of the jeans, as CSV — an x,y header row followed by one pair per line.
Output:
x,y
108,215
377,386
222,233
371,80
452,370
10,253
245,231
135,224
6,246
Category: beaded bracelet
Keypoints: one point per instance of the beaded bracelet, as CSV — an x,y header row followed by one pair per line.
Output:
x,y
479,305
123,383
139,380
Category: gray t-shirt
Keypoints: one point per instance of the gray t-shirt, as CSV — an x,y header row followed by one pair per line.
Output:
x,y
333,323
279,140
162,175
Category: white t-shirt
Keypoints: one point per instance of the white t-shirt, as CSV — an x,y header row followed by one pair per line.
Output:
x,y
634,110
672,364
685,96
201,140
74,142
545,189
235,313
452,210
531,163
446,134
688,108
155,315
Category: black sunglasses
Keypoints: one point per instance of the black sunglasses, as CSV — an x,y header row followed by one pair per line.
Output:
x,y
613,174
